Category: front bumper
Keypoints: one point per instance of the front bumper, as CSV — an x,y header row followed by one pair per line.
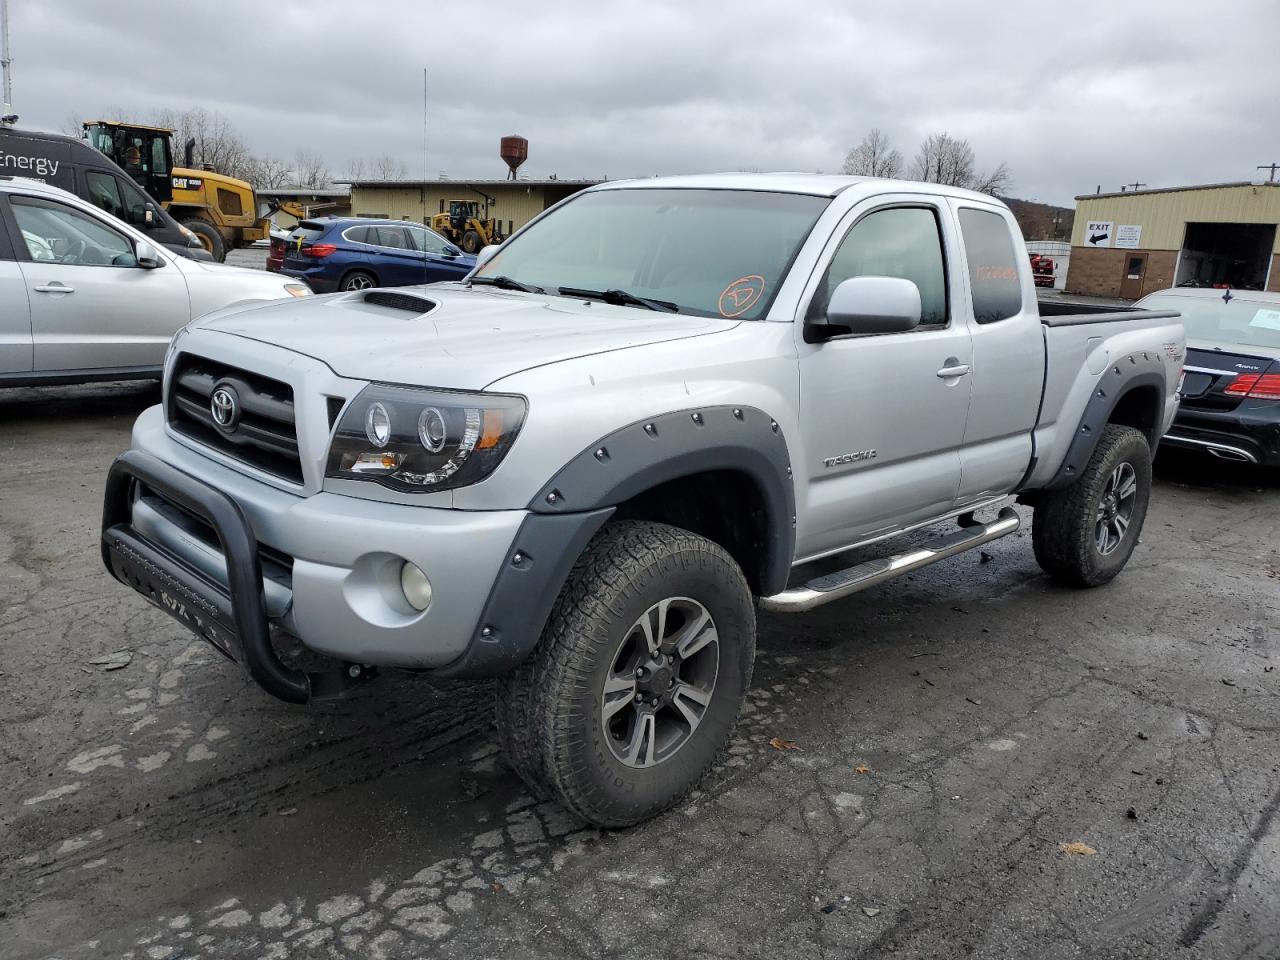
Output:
x,y
237,560
1250,433
333,561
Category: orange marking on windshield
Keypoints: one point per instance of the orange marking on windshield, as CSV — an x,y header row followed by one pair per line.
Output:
x,y
741,295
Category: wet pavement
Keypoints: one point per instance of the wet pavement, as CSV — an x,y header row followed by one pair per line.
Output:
x,y
973,762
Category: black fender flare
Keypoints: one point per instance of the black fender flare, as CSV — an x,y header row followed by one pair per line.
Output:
x,y
1138,369
576,502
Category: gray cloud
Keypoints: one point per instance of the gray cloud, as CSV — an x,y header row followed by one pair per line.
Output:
x,y
1084,94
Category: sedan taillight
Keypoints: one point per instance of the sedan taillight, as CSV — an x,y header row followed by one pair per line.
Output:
x,y
1255,386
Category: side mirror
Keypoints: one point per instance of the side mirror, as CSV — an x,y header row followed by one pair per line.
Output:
x,y
452,252
147,256
486,254
868,305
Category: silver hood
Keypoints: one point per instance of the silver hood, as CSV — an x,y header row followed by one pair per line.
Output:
x,y
471,338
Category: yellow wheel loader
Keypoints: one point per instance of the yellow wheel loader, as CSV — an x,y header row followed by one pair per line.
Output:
x,y
464,225
220,210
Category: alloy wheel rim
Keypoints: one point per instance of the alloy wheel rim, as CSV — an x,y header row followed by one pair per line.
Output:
x,y
359,282
1115,508
660,682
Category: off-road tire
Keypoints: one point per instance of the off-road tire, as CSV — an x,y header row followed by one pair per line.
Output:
x,y
1064,524
357,280
549,710
209,237
471,242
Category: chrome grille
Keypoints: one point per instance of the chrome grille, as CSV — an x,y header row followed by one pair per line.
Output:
x,y
263,434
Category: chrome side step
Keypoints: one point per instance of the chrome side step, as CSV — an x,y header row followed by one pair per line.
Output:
x,y
834,586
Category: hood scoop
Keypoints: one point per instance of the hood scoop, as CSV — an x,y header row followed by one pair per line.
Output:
x,y
408,302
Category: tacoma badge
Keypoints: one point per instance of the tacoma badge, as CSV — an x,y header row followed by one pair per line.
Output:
x,y
848,458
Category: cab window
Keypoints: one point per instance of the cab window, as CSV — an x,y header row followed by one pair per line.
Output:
x,y
54,233
993,266
902,242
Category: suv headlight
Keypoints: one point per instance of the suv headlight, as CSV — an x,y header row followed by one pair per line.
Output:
x,y
420,440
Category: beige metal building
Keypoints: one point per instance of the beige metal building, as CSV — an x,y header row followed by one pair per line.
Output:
x,y
1129,244
512,202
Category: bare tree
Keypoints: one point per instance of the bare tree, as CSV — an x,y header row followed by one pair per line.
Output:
x,y
310,170
949,160
218,145
997,183
267,173
355,169
874,157
944,159
387,167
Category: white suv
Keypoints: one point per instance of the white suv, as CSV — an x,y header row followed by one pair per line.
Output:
x,y
84,296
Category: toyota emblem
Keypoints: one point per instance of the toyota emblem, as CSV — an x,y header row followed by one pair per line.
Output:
x,y
225,407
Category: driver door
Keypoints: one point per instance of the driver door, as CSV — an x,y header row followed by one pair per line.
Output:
x,y
92,306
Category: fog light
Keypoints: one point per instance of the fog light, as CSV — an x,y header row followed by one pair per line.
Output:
x,y
416,586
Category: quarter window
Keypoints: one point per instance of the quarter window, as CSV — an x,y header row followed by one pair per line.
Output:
x,y
57,234
993,266
902,242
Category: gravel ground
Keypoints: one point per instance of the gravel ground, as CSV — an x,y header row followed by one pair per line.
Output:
x,y
943,738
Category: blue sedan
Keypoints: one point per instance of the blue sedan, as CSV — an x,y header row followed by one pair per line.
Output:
x,y
345,253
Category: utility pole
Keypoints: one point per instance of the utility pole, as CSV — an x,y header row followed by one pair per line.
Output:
x,y
7,116
1273,167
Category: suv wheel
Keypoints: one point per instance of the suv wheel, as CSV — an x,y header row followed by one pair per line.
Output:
x,y
1084,534
639,676
358,280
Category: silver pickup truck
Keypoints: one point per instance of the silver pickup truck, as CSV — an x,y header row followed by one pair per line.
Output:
x,y
582,468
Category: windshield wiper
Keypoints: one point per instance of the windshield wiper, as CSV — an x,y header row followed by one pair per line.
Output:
x,y
506,283
621,298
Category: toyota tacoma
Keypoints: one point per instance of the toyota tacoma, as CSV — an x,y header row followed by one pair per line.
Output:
x,y
583,468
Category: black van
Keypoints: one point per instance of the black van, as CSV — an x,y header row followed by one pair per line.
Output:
x,y
75,166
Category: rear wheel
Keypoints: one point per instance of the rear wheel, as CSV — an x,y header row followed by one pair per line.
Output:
x,y
471,242
1084,534
208,236
358,280
638,679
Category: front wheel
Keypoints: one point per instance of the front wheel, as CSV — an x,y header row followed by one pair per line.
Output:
x,y
471,242
209,237
1084,534
639,676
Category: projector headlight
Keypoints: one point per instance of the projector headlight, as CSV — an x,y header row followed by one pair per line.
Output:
x,y
418,441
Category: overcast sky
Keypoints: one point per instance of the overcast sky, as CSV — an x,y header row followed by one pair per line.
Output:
x,y
1070,95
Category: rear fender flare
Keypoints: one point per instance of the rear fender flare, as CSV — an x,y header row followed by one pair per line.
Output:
x,y
1139,369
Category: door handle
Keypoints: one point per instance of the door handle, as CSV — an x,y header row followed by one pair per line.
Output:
x,y
958,370
54,287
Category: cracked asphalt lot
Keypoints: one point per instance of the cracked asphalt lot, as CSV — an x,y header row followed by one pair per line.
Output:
x,y
951,731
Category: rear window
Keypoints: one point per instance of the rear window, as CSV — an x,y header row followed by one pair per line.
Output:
x,y
307,231
1226,323
993,266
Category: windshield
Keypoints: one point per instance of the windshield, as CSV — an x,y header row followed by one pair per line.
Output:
x,y
1237,323
711,253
